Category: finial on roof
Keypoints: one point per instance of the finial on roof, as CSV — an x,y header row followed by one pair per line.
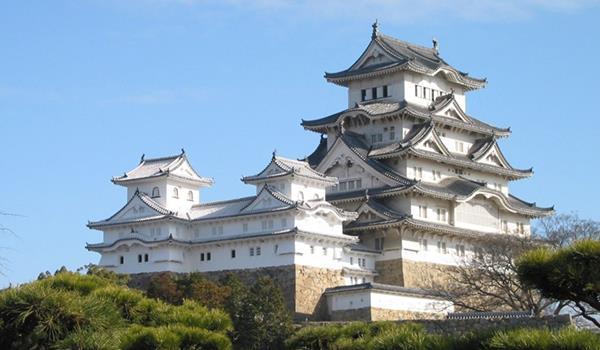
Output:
x,y
375,29
436,45
142,158
182,150
274,152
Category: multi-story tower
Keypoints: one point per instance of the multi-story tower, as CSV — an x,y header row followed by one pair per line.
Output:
x,y
429,181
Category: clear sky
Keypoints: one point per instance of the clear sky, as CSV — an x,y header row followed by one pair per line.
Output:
x,y
87,86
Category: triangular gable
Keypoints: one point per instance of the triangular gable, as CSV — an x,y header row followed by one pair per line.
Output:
x,y
267,199
139,206
374,54
184,169
431,142
494,157
454,111
368,214
343,162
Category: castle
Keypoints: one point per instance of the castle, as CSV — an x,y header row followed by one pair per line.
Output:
x,y
403,182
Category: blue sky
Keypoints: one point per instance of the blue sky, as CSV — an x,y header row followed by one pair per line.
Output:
x,y
87,86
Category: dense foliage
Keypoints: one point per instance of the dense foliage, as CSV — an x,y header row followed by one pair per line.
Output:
x,y
393,336
260,317
73,311
571,273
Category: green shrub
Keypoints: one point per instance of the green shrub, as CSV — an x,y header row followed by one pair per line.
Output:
x,y
314,338
75,282
541,339
173,338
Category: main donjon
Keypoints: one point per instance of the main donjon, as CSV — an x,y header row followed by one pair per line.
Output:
x,y
428,180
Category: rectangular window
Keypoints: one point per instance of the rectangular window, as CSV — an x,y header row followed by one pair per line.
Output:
x,y
233,253
201,256
418,173
208,256
444,250
504,226
257,250
379,137
374,93
312,249
392,133
359,183
424,245
423,211
416,90
245,227
121,260
460,146
373,138
276,248
284,223
436,175
363,95
385,91
145,257
379,243
270,224
263,224
364,262
441,214
324,250
343,186
350,185
139,258
351,261
460,250
251,251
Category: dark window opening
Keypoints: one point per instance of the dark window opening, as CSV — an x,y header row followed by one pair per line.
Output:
x,y
139,258
385,91
121,260
374,93
201,256
208,256
363,94
233,253
145,257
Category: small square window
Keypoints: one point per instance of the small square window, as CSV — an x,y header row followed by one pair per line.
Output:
x,y
257,250
324,250
251,251
233,253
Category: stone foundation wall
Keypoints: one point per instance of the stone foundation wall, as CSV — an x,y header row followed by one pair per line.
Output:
x,y
425,275
311,282
302,286
362,314
389,272
387,315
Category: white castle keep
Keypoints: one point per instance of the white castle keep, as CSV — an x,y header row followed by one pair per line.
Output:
x,y
404,182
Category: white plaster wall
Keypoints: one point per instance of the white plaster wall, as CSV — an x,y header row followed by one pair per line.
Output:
x,y
437,82
394,83
390,301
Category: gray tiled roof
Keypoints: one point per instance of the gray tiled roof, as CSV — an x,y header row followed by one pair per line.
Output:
x,y
161,212
156,167
379,109
284,167
386,287
405,56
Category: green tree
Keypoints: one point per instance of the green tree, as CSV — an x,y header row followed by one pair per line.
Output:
x,y
571,273
264,321
164,286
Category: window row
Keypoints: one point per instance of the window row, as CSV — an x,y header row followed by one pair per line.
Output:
x,y
140,259
441,213
442,248
436,175
347,185
373,93
357,280
174,194
427,93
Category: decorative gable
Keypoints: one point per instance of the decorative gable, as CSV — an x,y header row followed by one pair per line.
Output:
x,y
453,111
432,143
266,199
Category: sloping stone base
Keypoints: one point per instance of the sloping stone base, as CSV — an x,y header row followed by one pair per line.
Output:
x,y
376,314
302,286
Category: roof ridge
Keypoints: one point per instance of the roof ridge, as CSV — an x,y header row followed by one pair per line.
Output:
x,y
200,205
